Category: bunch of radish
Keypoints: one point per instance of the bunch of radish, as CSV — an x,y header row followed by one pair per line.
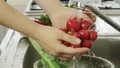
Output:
x,y
77,27
80,29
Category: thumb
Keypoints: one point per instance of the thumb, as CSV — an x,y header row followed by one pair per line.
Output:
x,y
70,39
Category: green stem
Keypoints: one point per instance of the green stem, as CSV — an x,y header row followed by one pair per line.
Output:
x,y
45,56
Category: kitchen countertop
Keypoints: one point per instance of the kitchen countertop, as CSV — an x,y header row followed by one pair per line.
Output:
x,y
20,5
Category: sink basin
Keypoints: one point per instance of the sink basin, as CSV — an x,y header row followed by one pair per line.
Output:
x,y
105,47
108,48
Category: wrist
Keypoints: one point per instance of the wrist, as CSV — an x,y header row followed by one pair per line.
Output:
x,y
54,10
39,32
49,6
35,30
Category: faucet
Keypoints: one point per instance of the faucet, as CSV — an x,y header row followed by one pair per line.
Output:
x,y
104,17
81,5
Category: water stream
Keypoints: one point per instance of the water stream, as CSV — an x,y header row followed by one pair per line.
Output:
x,y
75,62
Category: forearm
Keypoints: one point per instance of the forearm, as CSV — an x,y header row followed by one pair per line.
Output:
x,y
49,6
13,19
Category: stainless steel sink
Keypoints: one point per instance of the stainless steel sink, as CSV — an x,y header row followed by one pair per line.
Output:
x,y
30,57
106,47
109,48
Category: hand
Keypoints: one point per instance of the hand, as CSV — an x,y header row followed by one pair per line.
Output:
x,y
90,14
49,40
60,17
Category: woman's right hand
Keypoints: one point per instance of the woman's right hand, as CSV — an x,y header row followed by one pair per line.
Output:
x,y
49,39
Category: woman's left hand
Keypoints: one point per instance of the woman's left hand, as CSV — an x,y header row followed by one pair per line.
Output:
x,y
59,17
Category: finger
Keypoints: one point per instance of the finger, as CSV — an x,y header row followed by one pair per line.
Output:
x,y
75,51
70,39
66,56
60,52
91,15
65,59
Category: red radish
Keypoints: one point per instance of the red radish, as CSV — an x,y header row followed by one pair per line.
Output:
x,y
84,34
73,25
79,29
66,43
93,35
39,22
85,24
86,43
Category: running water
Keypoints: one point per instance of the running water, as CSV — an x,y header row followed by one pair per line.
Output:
x,y
90,54
75,62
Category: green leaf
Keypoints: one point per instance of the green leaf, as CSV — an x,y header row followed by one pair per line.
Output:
x,y
45,19
71,5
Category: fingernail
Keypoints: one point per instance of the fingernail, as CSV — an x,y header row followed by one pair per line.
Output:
x,y
77,40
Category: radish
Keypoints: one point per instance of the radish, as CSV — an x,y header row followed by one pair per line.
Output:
x,y
93,35
39,22
85,24
86,43
84,34
73,24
